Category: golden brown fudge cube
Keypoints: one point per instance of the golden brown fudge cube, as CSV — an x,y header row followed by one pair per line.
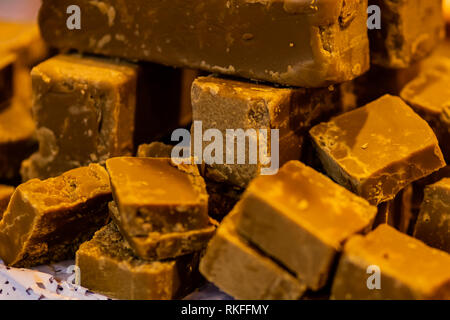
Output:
x,y
294,43
5,195
47,220
161,246
6,79
16,139
410,30
84,109
108,266
302,218
228,104
408,268
156,195
433,223
242,271
377,150
429,96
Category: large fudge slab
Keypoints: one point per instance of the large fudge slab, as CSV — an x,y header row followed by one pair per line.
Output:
x,y
433,223
47,220
410,31
409,269
84,110
242,271
282,41
302,218
108,266
377,150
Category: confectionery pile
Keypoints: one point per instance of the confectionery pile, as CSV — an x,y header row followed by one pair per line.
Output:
x,y
357,118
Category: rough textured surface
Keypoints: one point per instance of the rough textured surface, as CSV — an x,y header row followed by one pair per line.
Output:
x,y
47,220
242,271
227,104
5,195
16,139
374,155
84,109
409,268
303,207
156,195
108,266
155,150
433,223
410,30
159,246
307,45
429,96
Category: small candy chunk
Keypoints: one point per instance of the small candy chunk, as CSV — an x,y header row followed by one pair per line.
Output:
x,y
155,150
377,150
156,195
108,266
242,271
298,43
409,32
5,195
433,223
161,246
408,268
6,79
429,96
224,105
301,218
84,110
16,139
47,220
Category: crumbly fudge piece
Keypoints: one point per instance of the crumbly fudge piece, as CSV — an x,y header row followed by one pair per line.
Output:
x,y
303,44
5,195
159,246
433,223
242,271
228,104
156,195
6,79
410,30
84,109
16,139
429,96
155,150
108,266
47,220
376,156
300,206
409,269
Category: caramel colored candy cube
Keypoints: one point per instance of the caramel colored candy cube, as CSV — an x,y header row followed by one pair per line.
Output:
x,y
408,269
302,218
377,150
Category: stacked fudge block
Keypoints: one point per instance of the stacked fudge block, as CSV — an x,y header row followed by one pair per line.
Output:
x,y
362,128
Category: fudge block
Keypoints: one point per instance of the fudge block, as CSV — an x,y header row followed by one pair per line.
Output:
x,y
154,150
433,223
84,110
242,271
302,218
429,96
377,150
410,30
225,104
47,220
287,42
161,246
156,195
6,79
17,140
108,266
5,195
409,269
